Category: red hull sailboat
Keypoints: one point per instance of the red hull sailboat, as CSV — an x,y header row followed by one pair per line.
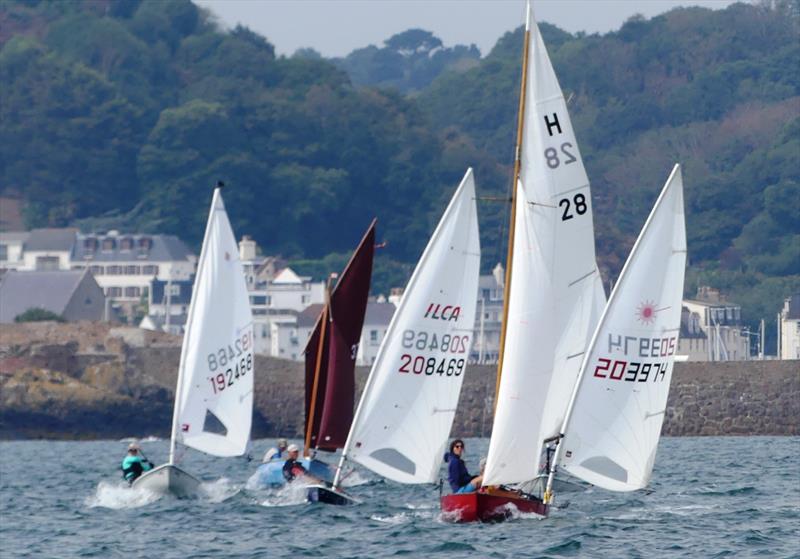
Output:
x,y
553,296
490,505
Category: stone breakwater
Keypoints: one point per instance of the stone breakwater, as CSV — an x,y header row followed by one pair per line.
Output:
x,y
89,380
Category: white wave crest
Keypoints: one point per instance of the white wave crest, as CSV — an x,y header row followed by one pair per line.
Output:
x,y
119,496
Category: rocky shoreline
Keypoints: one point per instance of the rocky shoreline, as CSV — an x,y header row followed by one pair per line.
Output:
x,y
94,381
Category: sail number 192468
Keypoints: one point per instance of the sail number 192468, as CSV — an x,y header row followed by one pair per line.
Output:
x,y
230,362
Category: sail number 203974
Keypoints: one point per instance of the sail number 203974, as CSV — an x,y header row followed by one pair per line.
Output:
x,y
231,362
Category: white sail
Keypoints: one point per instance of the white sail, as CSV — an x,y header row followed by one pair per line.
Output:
x,y
556,291
214,399
614,425
405,414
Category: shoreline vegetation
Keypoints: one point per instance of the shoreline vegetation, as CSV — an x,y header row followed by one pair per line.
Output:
x,y
84,381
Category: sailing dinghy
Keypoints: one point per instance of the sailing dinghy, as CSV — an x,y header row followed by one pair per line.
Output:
x,y
611,431
214,395
553,294
330,362
406,410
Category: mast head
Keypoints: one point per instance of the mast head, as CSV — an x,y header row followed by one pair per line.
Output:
x,y
220,185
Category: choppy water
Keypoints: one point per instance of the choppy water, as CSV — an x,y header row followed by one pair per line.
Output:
x,y
712,497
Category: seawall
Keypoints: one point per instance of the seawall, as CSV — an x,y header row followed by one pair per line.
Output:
x,y
91,381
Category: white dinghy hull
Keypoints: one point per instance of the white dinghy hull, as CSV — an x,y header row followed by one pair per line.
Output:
x,y
169,479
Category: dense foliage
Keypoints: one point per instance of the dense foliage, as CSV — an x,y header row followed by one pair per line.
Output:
x,y
123,113
38,315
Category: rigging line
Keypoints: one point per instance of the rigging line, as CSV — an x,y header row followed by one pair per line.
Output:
x,y
543,205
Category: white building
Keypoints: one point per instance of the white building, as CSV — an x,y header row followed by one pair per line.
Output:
x,y
376,322
11,250
488,317
123,265
168,305
720,323
790,328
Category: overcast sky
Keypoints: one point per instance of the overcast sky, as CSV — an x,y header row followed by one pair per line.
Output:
x,y
337,27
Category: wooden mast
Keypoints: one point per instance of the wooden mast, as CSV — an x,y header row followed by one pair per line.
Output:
x,y
317,367
511,225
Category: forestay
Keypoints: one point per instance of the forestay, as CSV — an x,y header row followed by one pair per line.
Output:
x,y
556,293
405,414
613,429
214,403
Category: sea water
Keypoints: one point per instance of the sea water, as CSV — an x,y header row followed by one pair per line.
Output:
x,y
709,497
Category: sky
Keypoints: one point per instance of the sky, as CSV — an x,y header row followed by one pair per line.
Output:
x,y
337,27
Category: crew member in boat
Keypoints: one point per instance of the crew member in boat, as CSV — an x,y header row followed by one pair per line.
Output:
x,y
134,465
461,481
292,468
276,452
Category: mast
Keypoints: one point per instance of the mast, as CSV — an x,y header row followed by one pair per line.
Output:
x,y
515,178
320,348
173,442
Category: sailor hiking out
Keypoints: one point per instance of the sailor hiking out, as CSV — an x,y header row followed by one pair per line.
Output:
x,y
134,465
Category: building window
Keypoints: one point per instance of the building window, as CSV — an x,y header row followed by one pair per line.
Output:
x,y
114,292
132,270
305,299
96,270
47,263
132,292
113,270
268,301
174,290
3,252
258,300
126,244
264,331
373,336
150,270
486,293
108,244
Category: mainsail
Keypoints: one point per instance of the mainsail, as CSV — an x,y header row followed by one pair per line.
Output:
x,y
408,405
612,430
330,365
555,293
214,396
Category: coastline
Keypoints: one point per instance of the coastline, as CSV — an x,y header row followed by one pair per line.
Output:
x,y
85,381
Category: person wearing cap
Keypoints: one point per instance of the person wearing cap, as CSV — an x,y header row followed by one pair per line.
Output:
x,y
276,453
134,465
292,468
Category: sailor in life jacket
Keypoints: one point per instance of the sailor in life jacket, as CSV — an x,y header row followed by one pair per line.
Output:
x,y
276,453
292,468
133,465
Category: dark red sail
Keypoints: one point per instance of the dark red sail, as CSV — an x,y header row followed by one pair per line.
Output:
x,y
335,390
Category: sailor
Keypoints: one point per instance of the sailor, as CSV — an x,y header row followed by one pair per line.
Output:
x,y
276,453
133,465
292,468
461,481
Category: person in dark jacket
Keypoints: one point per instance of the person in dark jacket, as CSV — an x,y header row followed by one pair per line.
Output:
x,y
292,467
134,465
461,481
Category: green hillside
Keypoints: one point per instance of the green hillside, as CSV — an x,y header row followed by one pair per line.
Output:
x,y
123,113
